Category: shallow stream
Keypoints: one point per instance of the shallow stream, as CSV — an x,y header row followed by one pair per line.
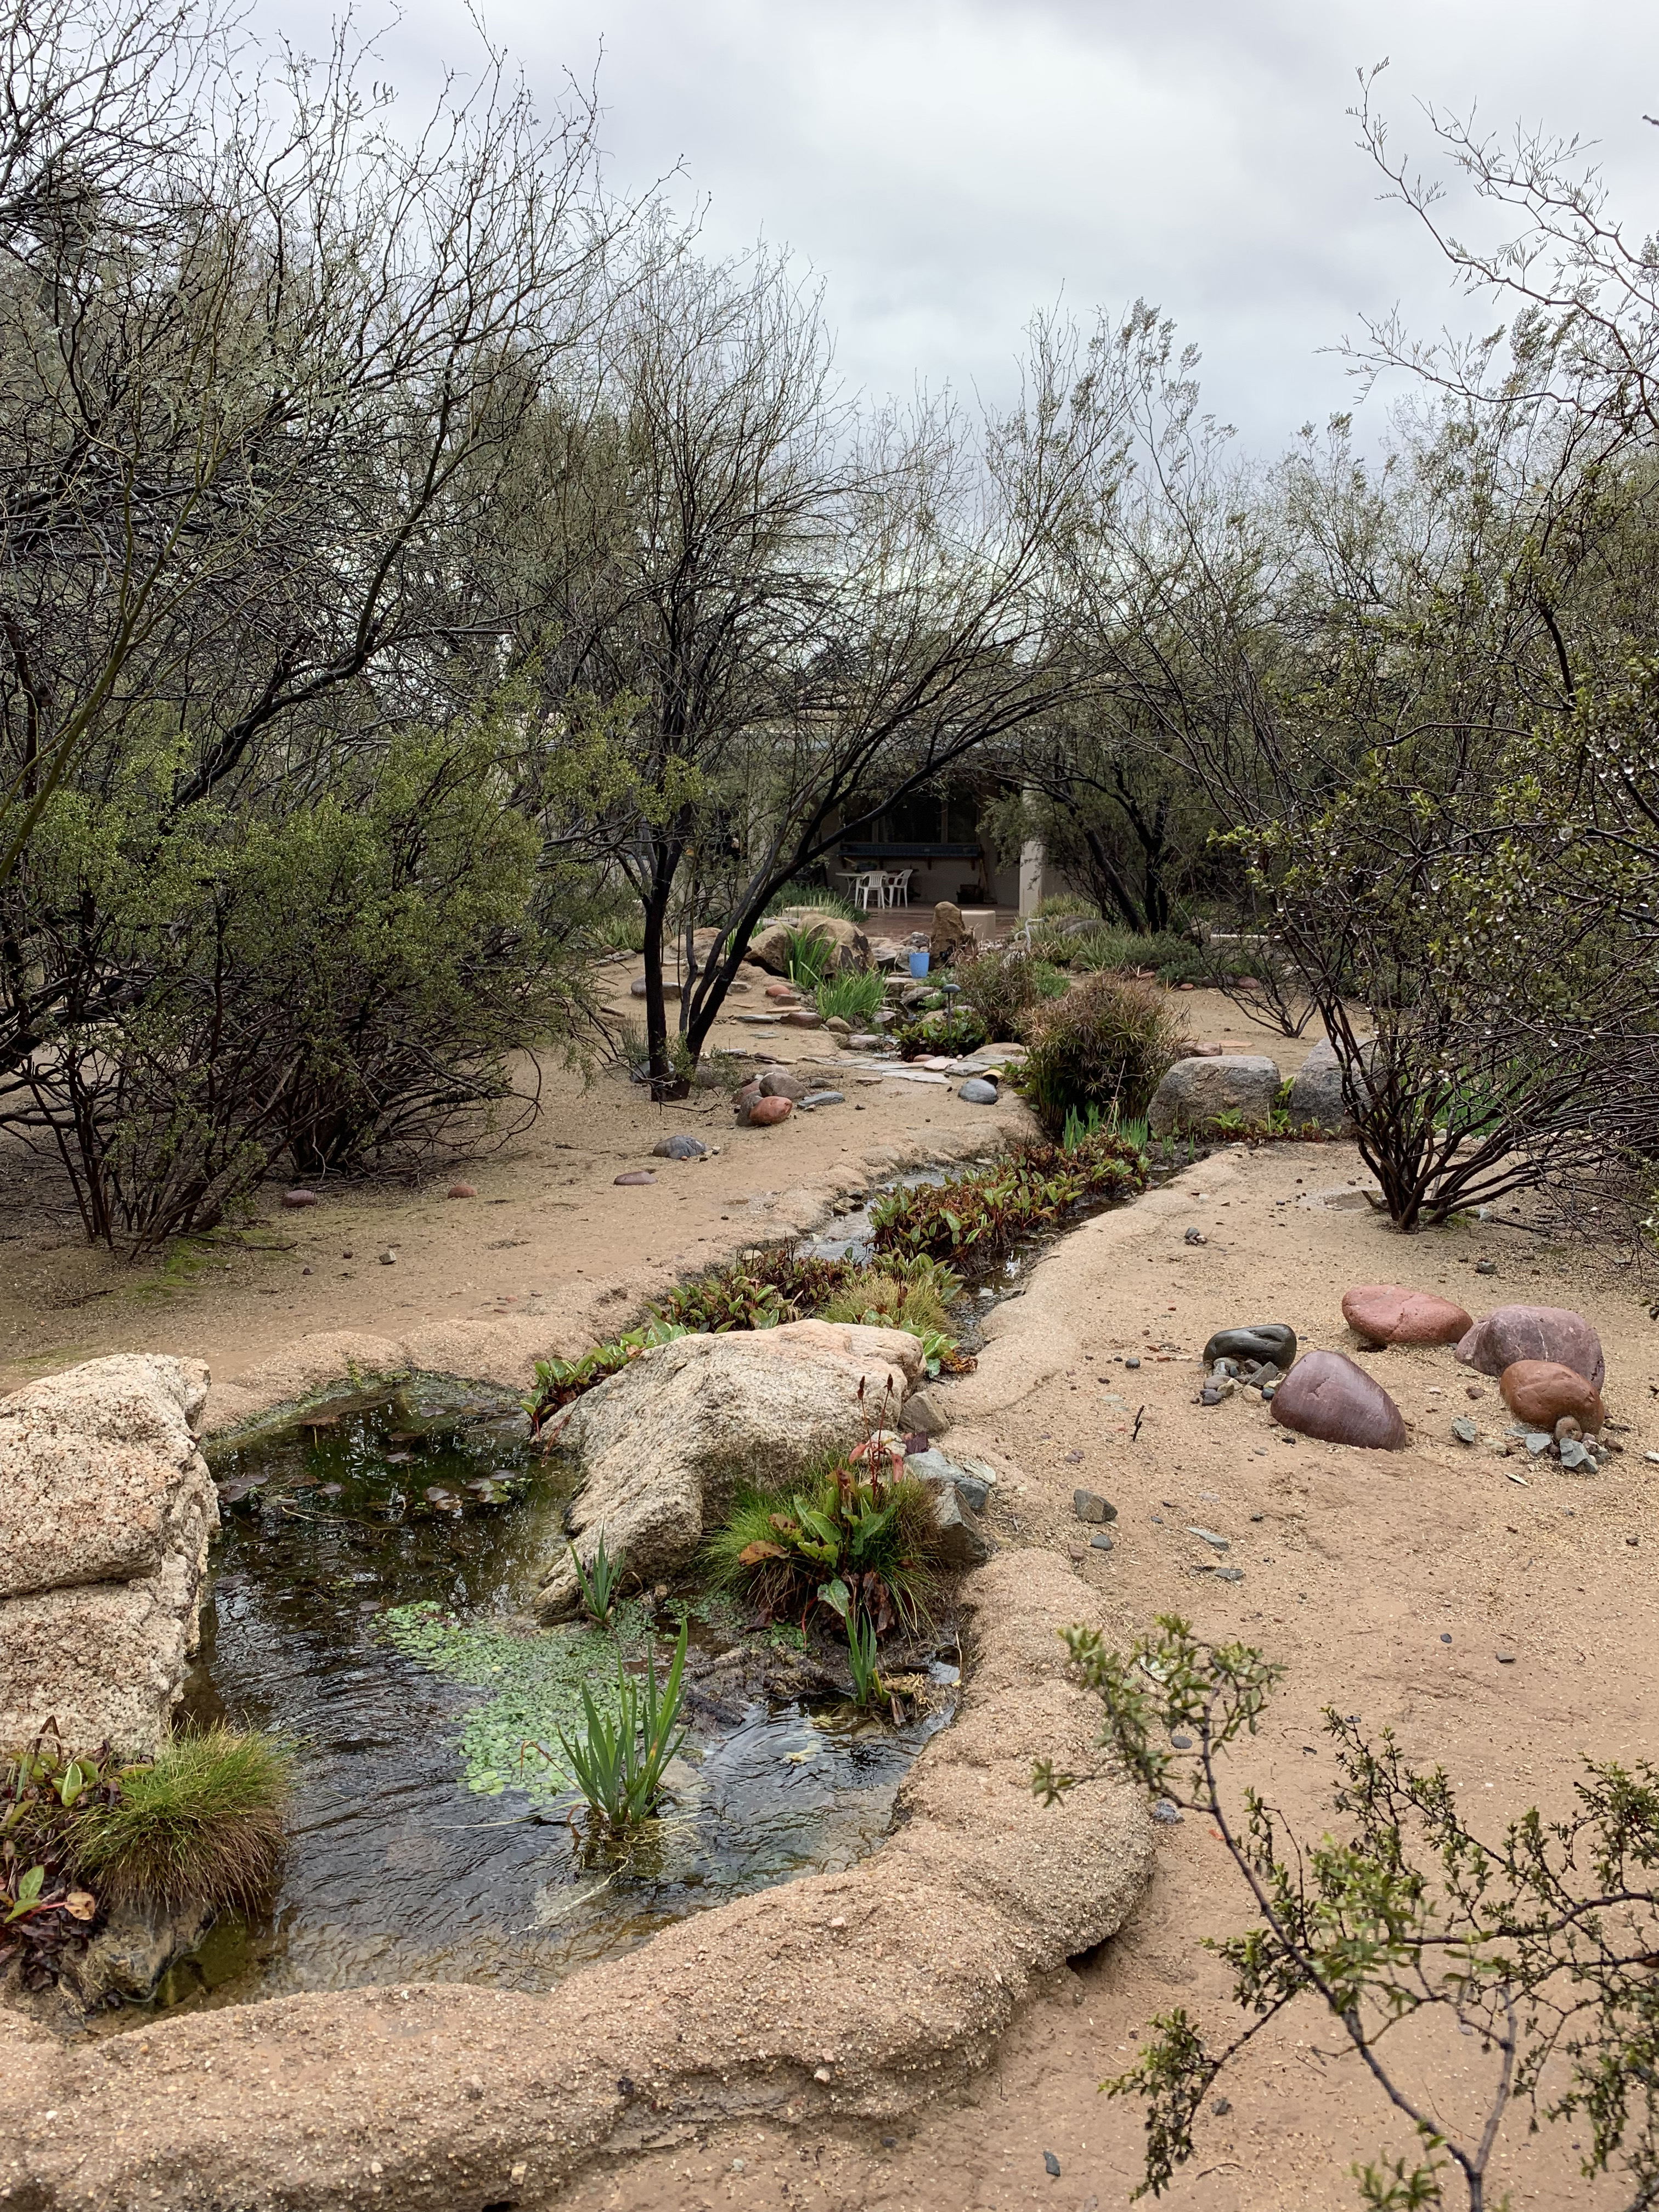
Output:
x,y
366,1600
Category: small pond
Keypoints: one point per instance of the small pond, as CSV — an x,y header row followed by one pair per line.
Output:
x,y
366,1599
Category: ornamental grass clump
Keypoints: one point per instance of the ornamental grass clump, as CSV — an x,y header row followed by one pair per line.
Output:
x,y
856,997
202,1822
1108,1044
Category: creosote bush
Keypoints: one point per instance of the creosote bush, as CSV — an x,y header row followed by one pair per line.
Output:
x,y
202,1822
1108,1044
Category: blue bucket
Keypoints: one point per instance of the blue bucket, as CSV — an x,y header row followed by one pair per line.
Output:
x,y
918,964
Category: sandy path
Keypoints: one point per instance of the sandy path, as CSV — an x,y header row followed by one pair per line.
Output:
x,y
1360,1563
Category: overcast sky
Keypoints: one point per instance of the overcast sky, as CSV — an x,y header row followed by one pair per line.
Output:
x,y
949,165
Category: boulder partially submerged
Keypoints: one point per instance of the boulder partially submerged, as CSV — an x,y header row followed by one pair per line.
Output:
x,y
665,1443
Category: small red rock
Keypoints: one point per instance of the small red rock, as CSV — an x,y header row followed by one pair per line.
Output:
x,y
1509,1334
766,1111
1388,1313
1539,1391
1327,1396
637,1175
462,1190
803,1018
299,1198
785,991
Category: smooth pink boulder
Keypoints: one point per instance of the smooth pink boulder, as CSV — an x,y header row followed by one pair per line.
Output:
x,y
1326,1395
766,1111
1388,1313
1511,1333
636,1175
1538,1391
463,1190
297,1198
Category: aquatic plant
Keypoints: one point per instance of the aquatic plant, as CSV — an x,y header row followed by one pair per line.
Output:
x,y
973,1219
856,997
559,1380
598,1584
956,1029
861,1651
42,1905
619,1760
202,1820
863,1536
810,954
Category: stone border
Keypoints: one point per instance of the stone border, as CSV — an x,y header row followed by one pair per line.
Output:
x,y
867,1992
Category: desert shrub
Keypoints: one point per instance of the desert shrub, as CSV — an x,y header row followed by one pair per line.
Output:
x,y
202,1821
1106,1044
332,988
852,998
973,1219
850,1539
954,1029
1537,1941
999,987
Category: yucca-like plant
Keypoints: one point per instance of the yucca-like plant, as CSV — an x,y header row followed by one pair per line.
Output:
x,y
618,1764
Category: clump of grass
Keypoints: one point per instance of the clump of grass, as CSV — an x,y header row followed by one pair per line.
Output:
x,y
816,896
852,998
1108,1044
845,1538
998,987
202,1822
810,955
912,1295
618,1760
1065,904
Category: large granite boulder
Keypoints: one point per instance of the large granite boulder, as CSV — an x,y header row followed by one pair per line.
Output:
x,y
1511,1333
105,1509
770,948
665,1443
1327,1396
950,936
1388,1313
1316,1090
1199,1089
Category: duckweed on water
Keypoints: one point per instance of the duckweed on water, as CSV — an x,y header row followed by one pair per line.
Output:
x,y
537,1683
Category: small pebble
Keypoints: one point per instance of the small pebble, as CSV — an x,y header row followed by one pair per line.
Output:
x,y
1485,1267
1506,1658
1100,1542
1444,1638
1182,1742
1195,1237
1465,1430
1229,1574
1221,2107
388,1258
1169,1813
1051,2164
636,1175
1134,1360
1473,1390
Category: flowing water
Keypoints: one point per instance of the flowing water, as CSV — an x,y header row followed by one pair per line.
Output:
x,y
366,1600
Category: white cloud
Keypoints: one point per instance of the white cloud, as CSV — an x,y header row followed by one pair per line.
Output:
x,y
950,165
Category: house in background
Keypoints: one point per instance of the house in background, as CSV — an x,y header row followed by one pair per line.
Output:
x,y
935,836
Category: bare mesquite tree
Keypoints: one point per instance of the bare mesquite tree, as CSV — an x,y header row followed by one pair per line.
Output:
x,y
806,614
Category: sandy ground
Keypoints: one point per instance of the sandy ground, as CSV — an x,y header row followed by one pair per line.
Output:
x,y
1360,1568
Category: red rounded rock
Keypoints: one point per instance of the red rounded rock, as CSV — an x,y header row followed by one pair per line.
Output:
x,y
1539,1391
636,1175
1509,1334
765,1112
1388,1313
462,1190
1326,1395
297,1198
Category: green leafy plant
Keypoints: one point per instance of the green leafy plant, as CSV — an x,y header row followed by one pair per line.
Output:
x,y
974,1219
956,1029
863,1535
862,1647
559,1380
852,997
202,1821
599,1584
811,953
1539,1944
1000,987
619,1762
1107,1043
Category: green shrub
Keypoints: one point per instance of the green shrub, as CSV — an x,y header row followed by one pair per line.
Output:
x,y
1064,905
1106,1044
816,896
974,1219
1000,987
852,998
202,1821
558,1381
956,1029
864,1538
618,1760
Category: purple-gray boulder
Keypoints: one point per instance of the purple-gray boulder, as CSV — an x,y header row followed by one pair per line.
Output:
x,y
1327,1396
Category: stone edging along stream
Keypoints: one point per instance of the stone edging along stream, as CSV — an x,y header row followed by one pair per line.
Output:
x,y
864,1992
